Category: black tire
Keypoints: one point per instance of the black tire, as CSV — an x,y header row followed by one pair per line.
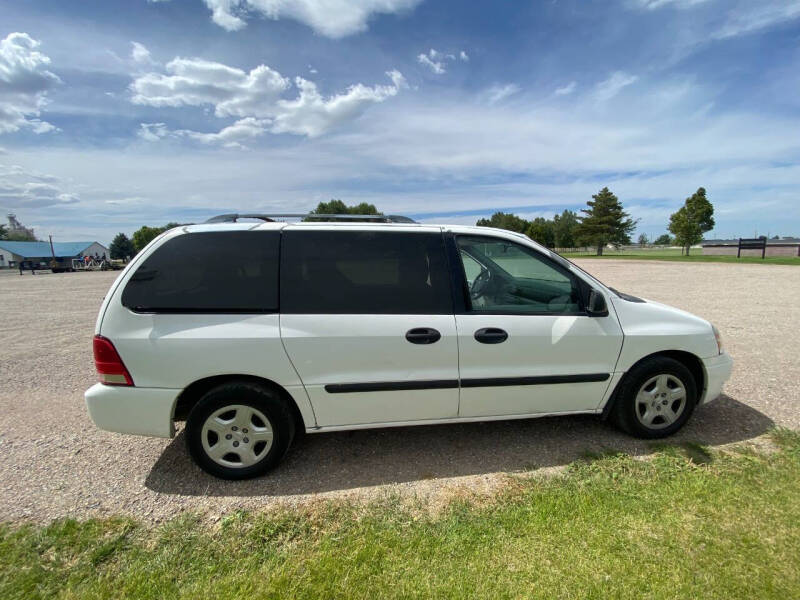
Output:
x,y
242,393
624,411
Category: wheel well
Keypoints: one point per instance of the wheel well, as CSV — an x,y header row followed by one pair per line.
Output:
x,y
687,359
194,391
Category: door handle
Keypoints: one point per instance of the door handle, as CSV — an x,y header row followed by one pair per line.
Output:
x,y
423,335
491,335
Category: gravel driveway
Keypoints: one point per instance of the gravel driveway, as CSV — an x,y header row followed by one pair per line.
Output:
x,y
55,463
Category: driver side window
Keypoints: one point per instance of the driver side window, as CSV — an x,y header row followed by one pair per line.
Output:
x,y
504,277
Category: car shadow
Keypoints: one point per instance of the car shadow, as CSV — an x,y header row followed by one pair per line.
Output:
x,y
353,459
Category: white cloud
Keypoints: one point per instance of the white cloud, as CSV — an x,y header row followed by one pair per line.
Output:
x,y
312,115
152,132
429,60
497,93
20,188
733,18
607,89
655,4
256,97
24,83
141,55
331,18
755,16
566,90
436,61
197,82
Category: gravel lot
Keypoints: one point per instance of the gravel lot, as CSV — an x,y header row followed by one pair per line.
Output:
x,y
55,463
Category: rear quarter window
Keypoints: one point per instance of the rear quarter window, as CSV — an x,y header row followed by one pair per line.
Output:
x,y
215,272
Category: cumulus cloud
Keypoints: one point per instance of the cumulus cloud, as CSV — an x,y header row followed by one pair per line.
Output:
x,y
607,89
24,189
566,90
197,82
331,18
436,61
256,97
24,83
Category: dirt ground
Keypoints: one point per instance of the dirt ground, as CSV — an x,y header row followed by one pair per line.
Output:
x,y
55,463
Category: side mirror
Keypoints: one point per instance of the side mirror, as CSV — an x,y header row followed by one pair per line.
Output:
x,y
596,307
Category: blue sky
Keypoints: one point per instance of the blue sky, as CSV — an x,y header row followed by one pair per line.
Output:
x,y
119,114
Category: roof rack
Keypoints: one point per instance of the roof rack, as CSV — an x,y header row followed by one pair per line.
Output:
x,y
233,217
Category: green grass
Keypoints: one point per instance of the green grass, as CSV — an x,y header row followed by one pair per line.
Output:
x,y
689,522
674,254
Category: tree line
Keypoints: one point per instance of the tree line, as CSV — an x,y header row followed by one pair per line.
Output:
x,y
604,222
124,248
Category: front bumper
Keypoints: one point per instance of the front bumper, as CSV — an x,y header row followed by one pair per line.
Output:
x,y
141,411
718,370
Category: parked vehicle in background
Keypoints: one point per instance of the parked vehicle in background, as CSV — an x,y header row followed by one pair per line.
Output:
x,y
253,332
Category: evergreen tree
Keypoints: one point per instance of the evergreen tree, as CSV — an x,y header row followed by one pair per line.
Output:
x,y
121,247
604,222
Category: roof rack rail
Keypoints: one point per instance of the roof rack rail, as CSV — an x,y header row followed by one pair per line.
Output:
x,y
233,217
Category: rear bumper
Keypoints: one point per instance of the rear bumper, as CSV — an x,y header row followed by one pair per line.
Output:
x,y
718,370
141,411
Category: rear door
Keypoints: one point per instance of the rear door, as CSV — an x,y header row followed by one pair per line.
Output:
x,y
367,321
526,343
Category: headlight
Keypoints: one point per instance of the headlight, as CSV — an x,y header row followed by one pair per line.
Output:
x,y
718,337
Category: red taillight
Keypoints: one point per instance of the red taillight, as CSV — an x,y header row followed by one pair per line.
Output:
x,y
109,365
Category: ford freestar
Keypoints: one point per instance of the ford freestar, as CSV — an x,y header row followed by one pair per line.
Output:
x,y
251,331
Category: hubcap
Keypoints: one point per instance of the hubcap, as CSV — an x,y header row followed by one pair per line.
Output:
x,y
660,401
237,436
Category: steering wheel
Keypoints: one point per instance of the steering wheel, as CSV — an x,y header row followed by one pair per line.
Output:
x,y
481,284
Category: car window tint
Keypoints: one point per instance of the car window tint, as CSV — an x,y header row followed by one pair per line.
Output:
x,y
506,277
364,272
221,271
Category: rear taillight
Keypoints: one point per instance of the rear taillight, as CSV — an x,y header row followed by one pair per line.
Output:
x,y
109,365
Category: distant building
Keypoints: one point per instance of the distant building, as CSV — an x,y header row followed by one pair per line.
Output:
x,y
779,247
38,253
14,226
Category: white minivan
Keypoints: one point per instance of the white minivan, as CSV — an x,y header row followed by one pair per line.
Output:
x,y
251,331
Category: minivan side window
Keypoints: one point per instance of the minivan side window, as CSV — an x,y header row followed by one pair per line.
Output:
x,y
364,272
208,272
504,277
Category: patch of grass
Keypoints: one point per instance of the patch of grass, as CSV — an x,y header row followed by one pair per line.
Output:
x,y
674,255
676,525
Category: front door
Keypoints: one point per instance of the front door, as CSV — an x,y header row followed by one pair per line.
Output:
x,y
526,345
367,321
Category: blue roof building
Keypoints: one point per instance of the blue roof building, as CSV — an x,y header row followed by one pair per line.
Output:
x,y
13,253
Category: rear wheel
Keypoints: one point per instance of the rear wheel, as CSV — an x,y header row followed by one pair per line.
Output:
x,y
655,399
239,430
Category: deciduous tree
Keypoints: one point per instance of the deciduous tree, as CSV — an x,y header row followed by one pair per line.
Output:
x,y
692,220
337,207
541,230
508,221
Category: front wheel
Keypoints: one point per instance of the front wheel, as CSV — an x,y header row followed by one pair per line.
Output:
x,y
239,430
655,399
